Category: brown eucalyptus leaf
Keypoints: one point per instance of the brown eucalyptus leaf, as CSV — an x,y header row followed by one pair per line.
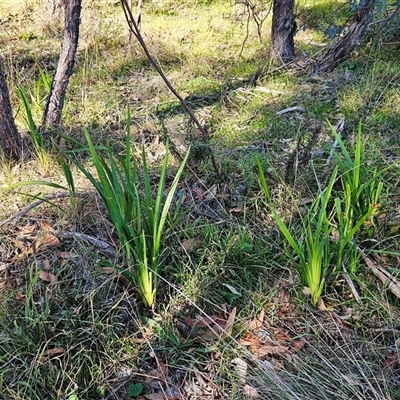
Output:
x,y
48,277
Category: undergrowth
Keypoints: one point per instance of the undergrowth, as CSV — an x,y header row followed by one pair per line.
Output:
x,y
233,316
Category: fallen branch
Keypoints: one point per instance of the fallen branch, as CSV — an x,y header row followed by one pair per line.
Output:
x,y
45,199
101,244
385,276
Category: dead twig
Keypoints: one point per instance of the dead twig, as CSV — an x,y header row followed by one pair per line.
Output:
x,y
351,285
134,28
290,109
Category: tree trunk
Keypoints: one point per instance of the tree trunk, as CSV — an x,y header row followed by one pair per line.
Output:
x,y
343,48
283,30
55,102
10,139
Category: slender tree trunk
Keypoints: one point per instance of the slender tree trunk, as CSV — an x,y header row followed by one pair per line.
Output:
x,y
283,30
55,102
343,48
10,139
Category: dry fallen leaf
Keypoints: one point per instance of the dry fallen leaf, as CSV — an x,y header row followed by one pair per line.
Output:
x,y
246,341
272,350
255,345
190,244
258,322
48,240
199,194
54,352
230,322
19,296
306,291
206,321
159,373
240,367
47,277
251,392
19,244
281,334
321,305
48,354
186,244
63,254
46,265
107,270
27,229
252,341
46,226
299,344
283,296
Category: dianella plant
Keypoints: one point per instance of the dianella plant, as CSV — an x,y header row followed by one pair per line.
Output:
x,y
311,245
138,213
358,204
328,236
361,185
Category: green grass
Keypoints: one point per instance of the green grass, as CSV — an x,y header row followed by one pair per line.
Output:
x,y
226,249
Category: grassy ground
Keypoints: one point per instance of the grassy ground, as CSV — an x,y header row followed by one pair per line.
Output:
x,y
232,320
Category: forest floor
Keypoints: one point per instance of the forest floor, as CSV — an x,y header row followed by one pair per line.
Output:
x,y
232,319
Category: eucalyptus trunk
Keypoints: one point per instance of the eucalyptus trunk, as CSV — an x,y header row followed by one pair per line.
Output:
x,y
10,139
283,30
346,45
55,101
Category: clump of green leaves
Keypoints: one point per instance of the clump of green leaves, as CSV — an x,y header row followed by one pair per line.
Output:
x,y
312,243
139,216
362,186
328,232
359,202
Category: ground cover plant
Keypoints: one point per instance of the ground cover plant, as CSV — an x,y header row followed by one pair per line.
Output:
x,y
273,276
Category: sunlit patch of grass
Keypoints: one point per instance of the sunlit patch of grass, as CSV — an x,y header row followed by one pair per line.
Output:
x,y
371,84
